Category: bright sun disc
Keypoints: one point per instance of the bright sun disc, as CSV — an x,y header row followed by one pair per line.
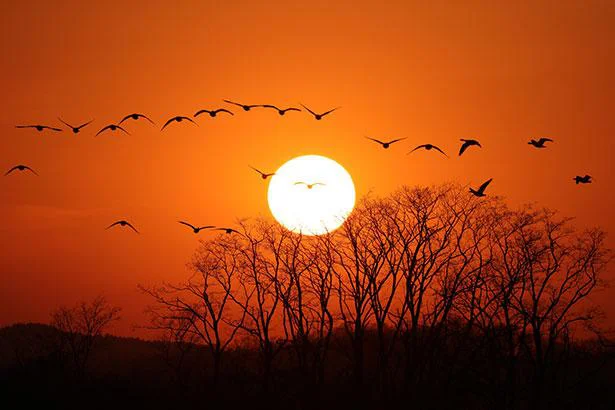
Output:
x,y
311,194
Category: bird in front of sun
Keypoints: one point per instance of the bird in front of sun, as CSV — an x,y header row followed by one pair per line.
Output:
x,y
311,185
481,189
135,116
196,229
212,113
112,127
123,223
317,116
429,147
540,143
264,175
385,144
586,179
74,129
20,168
281,111
245,107
39,127
178,118
467,144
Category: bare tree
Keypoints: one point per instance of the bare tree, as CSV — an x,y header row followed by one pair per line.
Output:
x,y
202,307
81,326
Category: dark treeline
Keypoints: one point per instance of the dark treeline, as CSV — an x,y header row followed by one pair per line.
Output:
x,y
428,298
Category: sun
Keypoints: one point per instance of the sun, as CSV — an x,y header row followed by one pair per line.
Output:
x,y
311,195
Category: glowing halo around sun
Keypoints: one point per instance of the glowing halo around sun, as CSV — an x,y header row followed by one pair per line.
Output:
x,y
311,210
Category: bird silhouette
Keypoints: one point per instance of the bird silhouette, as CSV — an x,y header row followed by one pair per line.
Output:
x,y
586,179
540,143
213,113
429,147
74,129
466,144
319,116
244,106
386,144
196,229
309,186
112,127
481,189
123,223
135,117
281,111
20,168
264,175
39,128
178,118
227,230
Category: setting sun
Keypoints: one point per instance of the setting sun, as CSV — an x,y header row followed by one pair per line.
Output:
x,y
311,194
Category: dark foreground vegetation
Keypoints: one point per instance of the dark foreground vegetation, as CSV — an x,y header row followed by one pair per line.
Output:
x,y
426,299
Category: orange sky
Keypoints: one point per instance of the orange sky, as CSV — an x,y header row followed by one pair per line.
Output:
x,y
499,73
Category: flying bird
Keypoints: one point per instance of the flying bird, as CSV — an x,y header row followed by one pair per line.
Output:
x,y
179,118
309,186
39,128
135,117
74,129
227,230
481,189
319,116
540,143
112,127
196,229
386,144
123,223
429,147
213,113
466,144
244,106
20,168
587,179
281,111
264,175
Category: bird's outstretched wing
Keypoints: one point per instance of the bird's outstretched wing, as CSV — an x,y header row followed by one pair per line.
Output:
x,y
187,224
147,118
438,149
311,112
189,119
464,147
103,130
292,109
257,170
199,112
121,128
132,227
206,227
126,118
396,140
25,126
484,185
318,183
234,103
543,140
419,147
330,111
11,170
113,224
65,123
269,106
300,183
84,124
375,140
224,110
167,123
52,128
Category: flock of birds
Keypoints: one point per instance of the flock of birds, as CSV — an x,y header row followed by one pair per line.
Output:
x,y
466,143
